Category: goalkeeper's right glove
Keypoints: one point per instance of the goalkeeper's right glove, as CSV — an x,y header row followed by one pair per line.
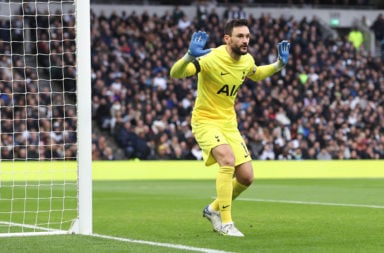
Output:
x,y
196,46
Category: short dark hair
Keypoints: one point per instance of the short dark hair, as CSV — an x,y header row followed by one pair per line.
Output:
x,y
228,28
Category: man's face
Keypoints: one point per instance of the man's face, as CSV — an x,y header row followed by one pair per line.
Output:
x,y
239,40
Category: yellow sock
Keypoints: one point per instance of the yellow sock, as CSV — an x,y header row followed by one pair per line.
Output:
x,y
237,189
215,205
224,190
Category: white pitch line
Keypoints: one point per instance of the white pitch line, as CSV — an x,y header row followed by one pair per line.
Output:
x,y
159,244
311,203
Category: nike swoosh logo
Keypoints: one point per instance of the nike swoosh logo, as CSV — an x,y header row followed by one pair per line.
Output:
x,y
226,206
224,73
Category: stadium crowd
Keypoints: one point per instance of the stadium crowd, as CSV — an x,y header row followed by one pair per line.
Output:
x,y
328,103
36,123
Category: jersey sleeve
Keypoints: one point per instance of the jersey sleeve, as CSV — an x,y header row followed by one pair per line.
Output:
x,y
182,69
262,72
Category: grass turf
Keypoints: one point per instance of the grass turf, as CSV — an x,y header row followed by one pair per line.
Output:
x,y
169,211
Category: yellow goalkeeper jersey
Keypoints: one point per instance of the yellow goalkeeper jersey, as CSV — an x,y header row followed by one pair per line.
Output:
x,y
219,79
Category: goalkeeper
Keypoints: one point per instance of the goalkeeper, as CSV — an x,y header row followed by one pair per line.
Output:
x,y
221,72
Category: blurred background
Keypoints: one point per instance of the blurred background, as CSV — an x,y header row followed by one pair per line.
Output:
x,y
298,3
327,104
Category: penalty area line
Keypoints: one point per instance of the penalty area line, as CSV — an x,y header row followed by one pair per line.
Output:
x,y
159,244
311,203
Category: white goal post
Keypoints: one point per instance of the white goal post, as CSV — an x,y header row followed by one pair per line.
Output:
x,y
45,118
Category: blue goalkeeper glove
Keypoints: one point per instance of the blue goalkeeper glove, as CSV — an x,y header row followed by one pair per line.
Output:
x,y
283,51
196,46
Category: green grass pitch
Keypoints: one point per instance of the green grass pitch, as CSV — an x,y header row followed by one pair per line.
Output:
x,y
291,207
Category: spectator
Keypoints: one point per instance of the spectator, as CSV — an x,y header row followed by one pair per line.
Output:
x,y
108,154
324,155
267,153
378,27
177,14
159,81
183,23
285,155
356,37
103,114
134,146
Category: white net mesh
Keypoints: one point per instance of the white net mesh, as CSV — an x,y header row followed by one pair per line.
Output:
x,y
38,146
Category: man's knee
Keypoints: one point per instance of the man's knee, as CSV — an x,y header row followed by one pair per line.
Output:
x,y
247,180
244,174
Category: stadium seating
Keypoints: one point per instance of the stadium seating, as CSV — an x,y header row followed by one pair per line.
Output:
x,y
329,99
327,103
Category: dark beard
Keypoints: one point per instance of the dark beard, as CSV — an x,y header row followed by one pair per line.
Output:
x,y
237,51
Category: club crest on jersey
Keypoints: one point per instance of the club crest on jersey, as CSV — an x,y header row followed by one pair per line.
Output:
x,y
229,90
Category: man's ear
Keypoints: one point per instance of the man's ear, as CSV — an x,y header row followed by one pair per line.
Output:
x,y
226,38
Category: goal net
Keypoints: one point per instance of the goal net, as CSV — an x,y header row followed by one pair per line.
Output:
x,y
40,168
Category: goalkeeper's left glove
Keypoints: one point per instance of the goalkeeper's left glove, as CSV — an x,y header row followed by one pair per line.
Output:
x,y
283,51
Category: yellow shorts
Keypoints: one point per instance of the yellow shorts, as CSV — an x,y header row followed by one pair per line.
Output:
x,y
209,136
